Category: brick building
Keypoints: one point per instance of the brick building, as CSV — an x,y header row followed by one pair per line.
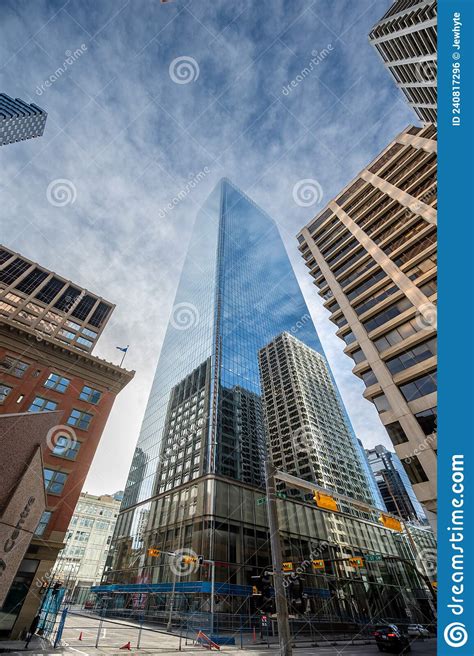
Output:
x,y
46,365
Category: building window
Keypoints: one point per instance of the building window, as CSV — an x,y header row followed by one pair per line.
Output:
x,y
84,342
381,403
79,419
57,383
414,470
40,405
411,357
358,356
89,394
15,367
387,314
4,392
428,420
66,448
43,522
54,481
396,433
419,387
369,378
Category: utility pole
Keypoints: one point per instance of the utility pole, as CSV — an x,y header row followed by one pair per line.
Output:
x,y
277,561
169,626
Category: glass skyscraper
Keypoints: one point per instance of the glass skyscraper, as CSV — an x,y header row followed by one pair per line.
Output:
x,y
197,473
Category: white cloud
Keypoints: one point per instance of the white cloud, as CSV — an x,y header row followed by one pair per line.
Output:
x,y
128,138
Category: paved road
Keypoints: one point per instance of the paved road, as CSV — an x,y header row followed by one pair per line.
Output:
x,y
80,636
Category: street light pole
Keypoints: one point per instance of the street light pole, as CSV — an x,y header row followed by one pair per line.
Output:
x,y
169,626
277,561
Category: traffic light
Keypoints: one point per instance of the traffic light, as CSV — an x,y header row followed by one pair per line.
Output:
x,y
296,593
263,588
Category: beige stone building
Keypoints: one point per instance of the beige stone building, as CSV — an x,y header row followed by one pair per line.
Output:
x,y
81,563
372,254
406,40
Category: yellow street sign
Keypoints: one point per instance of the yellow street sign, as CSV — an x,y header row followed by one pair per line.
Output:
x,y
391,522
154,552
287,567
356,562
325,501
318,564
189,559
255,590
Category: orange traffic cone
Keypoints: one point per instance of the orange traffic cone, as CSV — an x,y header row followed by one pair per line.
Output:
x,y
80,636
127,646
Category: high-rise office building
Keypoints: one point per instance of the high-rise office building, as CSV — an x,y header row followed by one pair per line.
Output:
x,y
80,564
372,253
307,430
48,326
406,39
196,476
19,121
394,484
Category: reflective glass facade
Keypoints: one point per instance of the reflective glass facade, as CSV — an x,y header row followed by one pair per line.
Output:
x,y
196,476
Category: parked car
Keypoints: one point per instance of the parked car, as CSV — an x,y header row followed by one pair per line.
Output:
x,y
388,637
418,630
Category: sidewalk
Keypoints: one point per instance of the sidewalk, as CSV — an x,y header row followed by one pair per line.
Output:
x,y
37,645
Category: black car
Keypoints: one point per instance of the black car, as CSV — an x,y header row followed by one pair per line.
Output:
x,y
388,637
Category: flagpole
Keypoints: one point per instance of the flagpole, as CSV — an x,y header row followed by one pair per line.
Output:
x,y
123,357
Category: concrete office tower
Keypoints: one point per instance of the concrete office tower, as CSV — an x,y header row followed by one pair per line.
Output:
x,y
80,564
19,121
394,484
372,253
406,38
48,328
307,429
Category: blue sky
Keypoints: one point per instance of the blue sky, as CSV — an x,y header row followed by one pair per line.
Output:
x,y
127,137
